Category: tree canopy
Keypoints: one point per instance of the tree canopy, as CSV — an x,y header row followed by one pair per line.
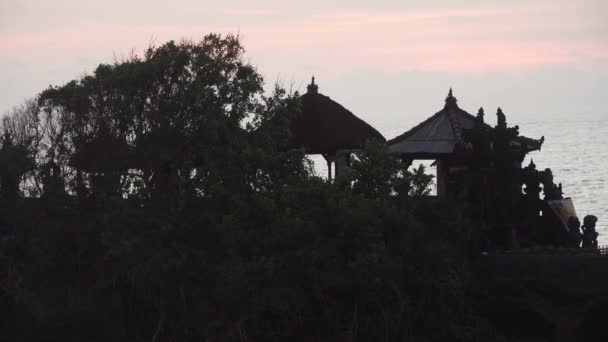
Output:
x,y
163,203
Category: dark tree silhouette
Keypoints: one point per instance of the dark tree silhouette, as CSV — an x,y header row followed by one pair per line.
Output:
x,y
165,202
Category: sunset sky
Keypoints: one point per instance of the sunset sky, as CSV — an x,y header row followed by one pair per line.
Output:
x,y
384,60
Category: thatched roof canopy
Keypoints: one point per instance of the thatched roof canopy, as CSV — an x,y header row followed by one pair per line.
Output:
x,y
324,126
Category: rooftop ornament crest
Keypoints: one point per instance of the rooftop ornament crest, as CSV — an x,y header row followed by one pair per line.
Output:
x,y
450,100
312,87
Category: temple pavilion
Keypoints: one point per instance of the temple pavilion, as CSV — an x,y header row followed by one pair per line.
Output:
x,y
441,138
325,127
478,165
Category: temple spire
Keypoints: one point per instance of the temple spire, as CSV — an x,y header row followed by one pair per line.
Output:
x,y
312,87
450,101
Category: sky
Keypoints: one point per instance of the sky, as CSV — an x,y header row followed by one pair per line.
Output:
x,y
390,62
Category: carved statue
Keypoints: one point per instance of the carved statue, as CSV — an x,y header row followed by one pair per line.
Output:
x,y
551,191
481,136
501,125
501,119
589,233
532,180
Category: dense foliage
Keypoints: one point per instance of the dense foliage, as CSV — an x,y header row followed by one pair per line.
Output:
x,y
160,200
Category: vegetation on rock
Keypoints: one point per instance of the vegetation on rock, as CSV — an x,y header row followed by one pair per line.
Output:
x,y
162,202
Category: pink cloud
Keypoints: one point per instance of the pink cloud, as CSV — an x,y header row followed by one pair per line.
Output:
x,y
409,16
456,40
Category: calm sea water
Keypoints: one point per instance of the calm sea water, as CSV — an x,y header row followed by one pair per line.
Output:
x,y
575,148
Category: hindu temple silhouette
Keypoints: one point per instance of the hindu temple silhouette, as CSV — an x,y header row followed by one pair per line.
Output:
x,y
535,263
528,232
325,127
478,165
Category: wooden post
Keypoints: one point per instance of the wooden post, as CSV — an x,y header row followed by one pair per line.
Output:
x,y
342,161
442,173
329,159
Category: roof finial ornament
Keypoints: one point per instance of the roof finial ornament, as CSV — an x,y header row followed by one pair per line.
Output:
x,y
312,87
480,113
450,101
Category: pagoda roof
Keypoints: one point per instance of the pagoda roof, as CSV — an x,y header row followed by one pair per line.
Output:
x,y
441,133
325,126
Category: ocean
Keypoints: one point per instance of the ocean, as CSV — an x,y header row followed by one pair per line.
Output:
x,y
575,149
